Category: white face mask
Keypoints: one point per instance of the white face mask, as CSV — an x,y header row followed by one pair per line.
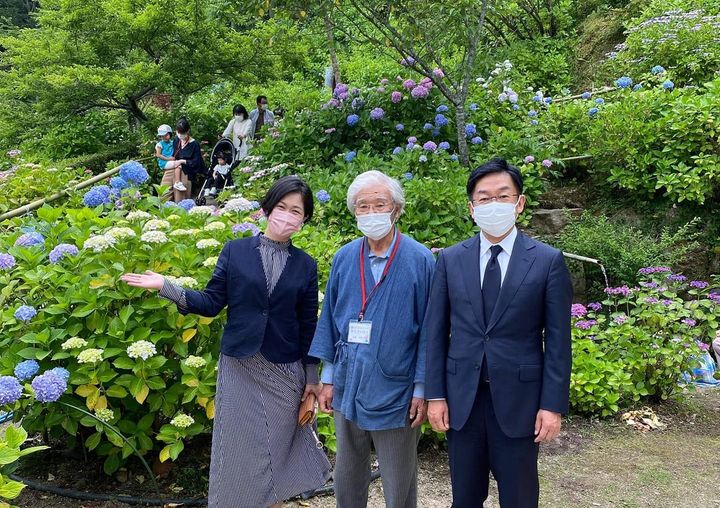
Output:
x,y
183,137
239,118
375,225
495,218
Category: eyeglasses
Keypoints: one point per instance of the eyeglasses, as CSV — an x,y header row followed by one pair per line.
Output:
x,y
363,208
502,198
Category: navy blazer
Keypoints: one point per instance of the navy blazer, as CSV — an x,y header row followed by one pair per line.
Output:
x,y
280,326
526,342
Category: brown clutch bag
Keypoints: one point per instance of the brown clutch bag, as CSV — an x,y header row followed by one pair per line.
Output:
x,y
307,410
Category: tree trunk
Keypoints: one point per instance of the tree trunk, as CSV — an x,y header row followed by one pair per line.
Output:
x,y
331,44
461,137
136,116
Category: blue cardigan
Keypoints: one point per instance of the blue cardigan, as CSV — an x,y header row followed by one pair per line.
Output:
x,y
373,383
280,326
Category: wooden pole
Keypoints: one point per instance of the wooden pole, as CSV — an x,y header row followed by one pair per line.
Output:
x,y
579,96
65,192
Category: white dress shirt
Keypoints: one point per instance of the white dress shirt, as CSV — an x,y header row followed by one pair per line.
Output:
x,y
503,258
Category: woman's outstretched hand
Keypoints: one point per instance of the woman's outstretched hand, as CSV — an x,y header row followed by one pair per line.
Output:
x,y
147,280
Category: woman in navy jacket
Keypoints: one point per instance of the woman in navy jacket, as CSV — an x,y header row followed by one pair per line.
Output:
x,y
260,456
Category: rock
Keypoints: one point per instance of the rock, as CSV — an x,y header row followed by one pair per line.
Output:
x,y
549,222
122,475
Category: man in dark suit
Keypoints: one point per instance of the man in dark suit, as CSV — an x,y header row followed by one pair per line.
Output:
x,y
498,346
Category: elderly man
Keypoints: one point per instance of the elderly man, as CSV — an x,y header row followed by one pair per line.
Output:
x,y
372,350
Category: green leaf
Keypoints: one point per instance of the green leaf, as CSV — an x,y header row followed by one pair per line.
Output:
x,y
116,391
94,440
8,455
15,436
124,363
11,489
112,463
125,313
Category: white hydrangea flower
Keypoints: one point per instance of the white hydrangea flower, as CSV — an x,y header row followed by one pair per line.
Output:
x,y
119,233
141,349
139,214
209,243
211,261
202,210
237,205
321,296
171,278
173,217
91,355
182,232
195,362
105,415
74,343
182,421
215,226
155,224
187,282
99,243
154,237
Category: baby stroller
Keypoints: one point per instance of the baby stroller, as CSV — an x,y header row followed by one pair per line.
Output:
x,y
226,146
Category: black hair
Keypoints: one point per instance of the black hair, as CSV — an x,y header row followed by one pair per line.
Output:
x,y
496,165
239,109
224,155
182,126
259,98
279,112
284,186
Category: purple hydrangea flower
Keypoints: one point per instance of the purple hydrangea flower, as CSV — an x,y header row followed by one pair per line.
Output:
x,y
26,369
689,322
650,285
25,313
618,291
7,261
62,250
666,302
442,108
30,240
430,146
419,92
585,325
438,73
698,284
676,277
48,387
384,81
623,82
397,150
340,88
322,196
622,318
529,159
399,127
377,114
134,173
244,227
714,297
444,145
595,306
395,97
658,69
10,390
352,120
408,84
412,139
585,95
651,300
381,89
547,163
476,140
407,61
441,120
503,97
649,270
578,310
668,85
186,204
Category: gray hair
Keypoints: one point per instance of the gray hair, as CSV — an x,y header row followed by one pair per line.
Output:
x,y
374,177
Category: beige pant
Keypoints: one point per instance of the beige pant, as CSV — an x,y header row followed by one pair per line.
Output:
x,y
173,194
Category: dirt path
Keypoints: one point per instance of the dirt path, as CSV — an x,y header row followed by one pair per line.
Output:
x,y
606,465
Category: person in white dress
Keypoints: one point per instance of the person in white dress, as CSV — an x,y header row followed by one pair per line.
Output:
x,y
238,130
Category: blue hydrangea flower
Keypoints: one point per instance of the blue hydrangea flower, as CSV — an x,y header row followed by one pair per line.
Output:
x,y
435,132
444,145
585,95
637,87
377,114
254,205
134,173
658,69
599,101
97,196
410,146
440,120
399,127
408,176
476,140
442,108
352,120
427,126
532,113
515,107
246,226
357,103
668,85
322,196
473,106
62,250
119,183
547,100
350,156
48,387
186,204
397,150
423,158
61,372
25,313
170,204
10,390
30,240
7,261
537,98
26,369
470,130
623,82
454,157
533,122
593,111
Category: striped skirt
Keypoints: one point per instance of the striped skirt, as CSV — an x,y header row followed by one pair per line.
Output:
x,y
260,456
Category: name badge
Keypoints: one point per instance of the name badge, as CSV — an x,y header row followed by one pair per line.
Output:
x,y
359,332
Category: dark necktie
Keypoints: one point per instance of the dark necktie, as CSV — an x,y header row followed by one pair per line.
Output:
x,y
491,283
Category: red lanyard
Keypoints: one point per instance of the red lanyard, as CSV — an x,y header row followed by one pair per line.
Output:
x,y
363,291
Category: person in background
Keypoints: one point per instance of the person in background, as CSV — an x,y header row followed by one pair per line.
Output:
x,y
220,174
369,339
716,348
164,147
188,156
239,130
261,116
498,346
260,456
279,114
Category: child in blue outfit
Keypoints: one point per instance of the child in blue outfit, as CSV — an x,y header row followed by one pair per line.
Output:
x,y
164,153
